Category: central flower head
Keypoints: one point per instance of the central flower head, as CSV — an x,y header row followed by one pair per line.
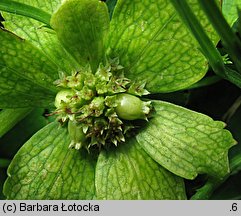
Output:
x,y
100,107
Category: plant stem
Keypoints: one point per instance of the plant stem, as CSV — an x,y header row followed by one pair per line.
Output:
x,y
25,10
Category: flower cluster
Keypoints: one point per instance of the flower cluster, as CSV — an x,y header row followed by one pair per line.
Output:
x,y
97,106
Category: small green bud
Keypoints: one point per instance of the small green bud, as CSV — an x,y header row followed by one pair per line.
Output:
x,y
130,107
63,96
75,81
97,106
77,135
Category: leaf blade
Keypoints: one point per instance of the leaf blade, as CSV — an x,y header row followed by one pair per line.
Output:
x,y
154,45
41,37
19,55
27,75
187,143
46,156
87,29
129,173
17,92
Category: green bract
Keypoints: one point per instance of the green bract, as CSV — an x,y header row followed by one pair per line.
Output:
x,y
92,72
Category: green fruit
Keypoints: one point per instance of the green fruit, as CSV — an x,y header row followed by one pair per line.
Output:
x,y
130,107
63,96
77,135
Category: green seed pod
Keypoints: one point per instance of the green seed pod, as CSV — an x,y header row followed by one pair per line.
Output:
x,y
130,107
63,96
77,136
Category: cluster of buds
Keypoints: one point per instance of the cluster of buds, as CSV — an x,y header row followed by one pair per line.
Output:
x,y
99,107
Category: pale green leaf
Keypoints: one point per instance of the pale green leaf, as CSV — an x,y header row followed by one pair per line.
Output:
x,y
10,117
154,45
230,10
19,92
27,61
81,26
127,172
45,168
27,75
43,38
185,142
